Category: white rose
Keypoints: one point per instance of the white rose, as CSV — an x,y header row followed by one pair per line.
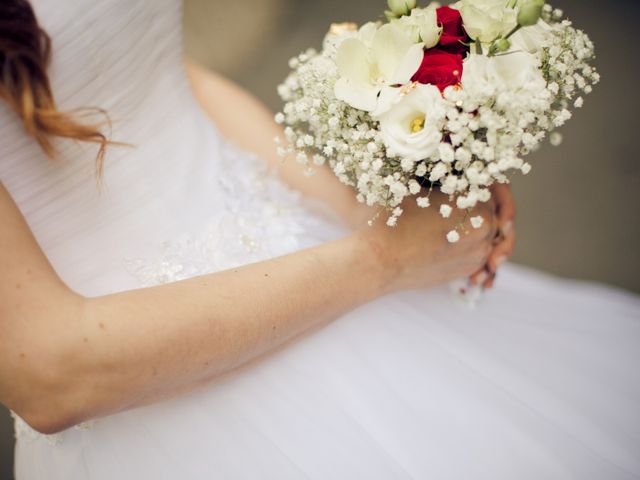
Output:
x,y
485,76
412,129
422,25
486,20
532,39
370,72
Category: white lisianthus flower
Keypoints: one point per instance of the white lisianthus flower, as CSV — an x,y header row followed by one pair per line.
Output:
x,y
520,70
423,25
532,39
486,20
485,76
368,72
412,128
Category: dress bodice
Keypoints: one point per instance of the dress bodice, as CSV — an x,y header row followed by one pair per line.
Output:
x,y
125,56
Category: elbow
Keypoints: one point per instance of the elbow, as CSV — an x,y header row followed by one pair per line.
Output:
x,y
46,411
43,369
51,397
48,403
48,421
49,412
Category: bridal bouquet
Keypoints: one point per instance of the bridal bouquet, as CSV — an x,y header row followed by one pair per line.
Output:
x,y
447,96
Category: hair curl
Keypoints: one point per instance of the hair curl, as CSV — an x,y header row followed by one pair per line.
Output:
x,y
25,52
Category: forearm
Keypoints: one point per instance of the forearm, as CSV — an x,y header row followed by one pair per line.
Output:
x,y
137,347
245,121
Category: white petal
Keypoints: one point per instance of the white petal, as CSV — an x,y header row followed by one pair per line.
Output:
x,y
408,65
367,32
514,69
358,95
453,236
352,60
387,99
430,36
390,45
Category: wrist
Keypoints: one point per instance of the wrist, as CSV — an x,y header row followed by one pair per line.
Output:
x,y
371,255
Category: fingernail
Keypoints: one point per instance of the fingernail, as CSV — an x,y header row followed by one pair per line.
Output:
x,y
506,228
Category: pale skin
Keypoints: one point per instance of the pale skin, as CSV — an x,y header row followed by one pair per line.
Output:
x,y
65,358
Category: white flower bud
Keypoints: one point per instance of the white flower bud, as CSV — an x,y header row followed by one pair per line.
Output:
x,y
445,210
446,152
453,236
476,222
438,172
555,139
401,7
499,46
487,20
530,12
423,202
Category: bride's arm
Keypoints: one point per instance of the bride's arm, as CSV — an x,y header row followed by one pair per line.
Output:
x,y
247,122
244,120
65,358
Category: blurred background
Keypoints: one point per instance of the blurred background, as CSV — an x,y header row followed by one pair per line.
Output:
x,y
577,210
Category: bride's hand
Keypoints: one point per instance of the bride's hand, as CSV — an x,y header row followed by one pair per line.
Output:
x,y
504,242
417,254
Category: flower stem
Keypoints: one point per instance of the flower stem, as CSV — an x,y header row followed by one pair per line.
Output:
x,y
515,29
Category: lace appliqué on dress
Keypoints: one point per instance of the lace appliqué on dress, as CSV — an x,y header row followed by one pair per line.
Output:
x,y
254,217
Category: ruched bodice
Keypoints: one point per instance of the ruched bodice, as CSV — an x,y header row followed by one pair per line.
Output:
x,y
125,57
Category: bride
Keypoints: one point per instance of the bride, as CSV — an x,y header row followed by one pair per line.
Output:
x,y
193,315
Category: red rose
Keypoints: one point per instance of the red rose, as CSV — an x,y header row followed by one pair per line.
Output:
x,y
439,68
453,33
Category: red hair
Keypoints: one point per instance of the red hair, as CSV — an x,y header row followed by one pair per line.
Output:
x,y
25,52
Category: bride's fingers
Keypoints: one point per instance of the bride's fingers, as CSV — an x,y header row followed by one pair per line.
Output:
x,y
489,283
481,277
505,206
502,251
500,254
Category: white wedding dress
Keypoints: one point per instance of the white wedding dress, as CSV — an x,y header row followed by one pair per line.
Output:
x,y
540,381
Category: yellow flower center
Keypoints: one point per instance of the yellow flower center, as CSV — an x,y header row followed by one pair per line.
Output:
x,y
417,124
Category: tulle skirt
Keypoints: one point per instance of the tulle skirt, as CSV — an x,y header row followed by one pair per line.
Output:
x,y
539,381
